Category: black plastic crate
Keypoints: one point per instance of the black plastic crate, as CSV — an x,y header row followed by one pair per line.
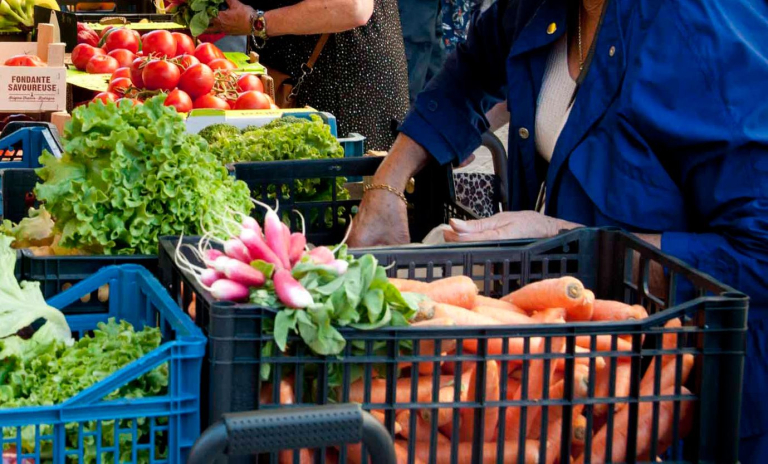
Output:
x,y
57,273
18,187
433,196
611,263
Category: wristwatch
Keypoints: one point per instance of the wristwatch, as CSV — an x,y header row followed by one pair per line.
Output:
x,y
259,28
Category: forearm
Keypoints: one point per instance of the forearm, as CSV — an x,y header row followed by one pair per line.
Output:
x,y
405,159
318,17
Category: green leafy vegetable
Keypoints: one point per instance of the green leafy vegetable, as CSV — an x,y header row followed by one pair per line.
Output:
x,y
197,14
38,372
218,132
361,298
130,174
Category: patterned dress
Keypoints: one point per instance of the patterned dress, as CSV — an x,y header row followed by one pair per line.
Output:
x,y
361,76
456,17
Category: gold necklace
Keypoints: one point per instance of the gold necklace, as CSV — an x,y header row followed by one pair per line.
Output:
x,y
581,51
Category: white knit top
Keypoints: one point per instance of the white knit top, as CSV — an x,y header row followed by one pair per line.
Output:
x,y
554,104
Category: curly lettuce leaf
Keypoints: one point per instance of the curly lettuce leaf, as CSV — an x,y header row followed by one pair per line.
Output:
x,y
131,174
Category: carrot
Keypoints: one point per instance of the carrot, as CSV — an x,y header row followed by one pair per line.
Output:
x,y
564,292
401,453
420,433
609,310
556,391
581,361
504,315
535,390
491,413
355,451
603,343
488,455
465,317
644,430
379,416
489,302
602,386
549,314
449,368
669,340
403,393
583,311
579,430
406,285
446,395
668,375
286,397
427,347
512,386
457,291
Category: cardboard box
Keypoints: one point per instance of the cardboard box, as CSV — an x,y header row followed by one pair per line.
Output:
x,y
30,90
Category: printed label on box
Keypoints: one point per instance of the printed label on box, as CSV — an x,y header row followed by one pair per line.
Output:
x,y
33,89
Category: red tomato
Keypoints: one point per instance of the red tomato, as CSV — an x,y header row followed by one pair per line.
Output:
x,y
185,61
159,43
136,69
222,64
30,61
101,64
105,97
83,53
272,106
122,38
105,30
180,100
121,72
211,101
124,57
248,82
252,100
184,44
197,81
120,85
160,75
207,52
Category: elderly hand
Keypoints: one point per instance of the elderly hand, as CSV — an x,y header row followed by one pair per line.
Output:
x,y
235,20
382,220
507,226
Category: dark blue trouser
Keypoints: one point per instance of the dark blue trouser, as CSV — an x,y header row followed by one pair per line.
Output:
x,y
422,33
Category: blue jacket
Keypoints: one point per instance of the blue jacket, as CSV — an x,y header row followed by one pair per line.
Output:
x,y
668,133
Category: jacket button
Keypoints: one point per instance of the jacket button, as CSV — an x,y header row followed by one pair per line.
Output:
x,y
523,133
552,28
432,105
612,51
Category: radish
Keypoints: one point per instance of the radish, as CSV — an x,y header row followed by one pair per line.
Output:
x,y
321,255
258,249
243,273
340,266
229,290
209,276
212,254
296,250
290,291
274,235
235,248
250,223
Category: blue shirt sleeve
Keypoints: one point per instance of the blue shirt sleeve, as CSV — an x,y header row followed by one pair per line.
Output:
x,y
713,127
448,117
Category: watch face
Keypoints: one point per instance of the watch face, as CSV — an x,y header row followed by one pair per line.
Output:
x,y
258,24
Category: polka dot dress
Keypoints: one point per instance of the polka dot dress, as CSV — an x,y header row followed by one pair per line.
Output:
x,y
361,76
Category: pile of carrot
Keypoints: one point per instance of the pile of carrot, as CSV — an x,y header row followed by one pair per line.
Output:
x,y
422,432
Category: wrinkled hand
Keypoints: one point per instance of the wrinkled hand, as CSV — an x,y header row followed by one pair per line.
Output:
x,y
507,226
382,220
235,20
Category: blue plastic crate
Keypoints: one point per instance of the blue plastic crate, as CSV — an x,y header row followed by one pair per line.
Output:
x,y
22,143
174,418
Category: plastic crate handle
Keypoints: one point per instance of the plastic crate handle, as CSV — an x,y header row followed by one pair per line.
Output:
x,y
272,430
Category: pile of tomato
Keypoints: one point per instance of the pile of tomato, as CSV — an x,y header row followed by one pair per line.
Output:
x,y
169,62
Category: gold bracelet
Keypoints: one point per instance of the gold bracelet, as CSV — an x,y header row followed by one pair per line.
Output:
x,y
388,188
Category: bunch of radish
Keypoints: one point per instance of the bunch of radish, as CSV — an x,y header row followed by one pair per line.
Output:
x,y
239,264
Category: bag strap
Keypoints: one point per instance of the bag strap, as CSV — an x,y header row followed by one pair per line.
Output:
x,y
318,50
308,67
